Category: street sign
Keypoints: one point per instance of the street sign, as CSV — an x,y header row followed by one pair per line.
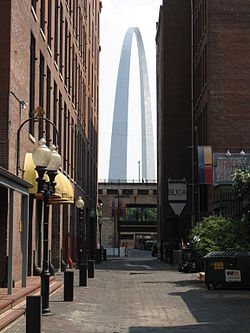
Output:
x,y
177,194
223,166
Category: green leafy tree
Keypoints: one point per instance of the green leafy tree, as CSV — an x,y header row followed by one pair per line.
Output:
x,y
241,185
217,233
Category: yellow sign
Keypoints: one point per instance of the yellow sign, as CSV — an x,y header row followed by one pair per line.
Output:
x,y
218,265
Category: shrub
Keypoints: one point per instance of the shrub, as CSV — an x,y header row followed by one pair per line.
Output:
x,y
217,233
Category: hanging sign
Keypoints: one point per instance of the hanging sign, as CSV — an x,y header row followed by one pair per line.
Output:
x,y
177,194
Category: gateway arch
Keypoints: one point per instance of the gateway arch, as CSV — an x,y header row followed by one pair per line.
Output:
x,y
118,149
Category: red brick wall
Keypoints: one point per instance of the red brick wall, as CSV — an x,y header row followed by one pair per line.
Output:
x,y
226,93
15,77
228,74
4,79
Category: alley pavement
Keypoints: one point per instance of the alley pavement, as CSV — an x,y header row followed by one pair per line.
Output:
x,y
140,294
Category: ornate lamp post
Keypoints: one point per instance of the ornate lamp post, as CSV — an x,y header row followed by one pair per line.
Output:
x,y
82,250
46,161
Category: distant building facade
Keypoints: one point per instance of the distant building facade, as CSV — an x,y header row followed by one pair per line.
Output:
x,y
50,58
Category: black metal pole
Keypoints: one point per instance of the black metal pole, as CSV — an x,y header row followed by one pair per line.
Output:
x,y
100,240
82,253
45,275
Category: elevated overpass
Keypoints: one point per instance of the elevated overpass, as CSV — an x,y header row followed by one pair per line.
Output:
x,y
118,226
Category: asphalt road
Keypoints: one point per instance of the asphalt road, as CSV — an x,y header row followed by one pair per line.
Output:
x,y
140,294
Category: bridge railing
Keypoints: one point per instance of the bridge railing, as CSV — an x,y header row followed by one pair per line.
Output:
x,y
127,181
137,223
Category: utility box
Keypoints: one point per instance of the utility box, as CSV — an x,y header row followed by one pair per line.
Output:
x,y
227,269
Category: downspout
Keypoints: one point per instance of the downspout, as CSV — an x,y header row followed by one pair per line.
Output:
x,y
192,109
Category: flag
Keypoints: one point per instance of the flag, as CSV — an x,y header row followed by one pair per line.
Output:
x,y
205,165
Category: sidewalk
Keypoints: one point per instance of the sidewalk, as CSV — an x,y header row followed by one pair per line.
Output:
x,y
13,306
140,294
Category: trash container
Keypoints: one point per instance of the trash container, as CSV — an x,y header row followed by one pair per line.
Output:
x,y
227,269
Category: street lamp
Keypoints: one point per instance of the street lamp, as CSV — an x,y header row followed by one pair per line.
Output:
x,y
47,160
82,252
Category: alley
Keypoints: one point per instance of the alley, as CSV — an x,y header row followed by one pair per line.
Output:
x,y
140,294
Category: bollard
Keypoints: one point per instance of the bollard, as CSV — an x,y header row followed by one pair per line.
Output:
x,y
91,268
33,314
98,256
68,286
104,254
83,275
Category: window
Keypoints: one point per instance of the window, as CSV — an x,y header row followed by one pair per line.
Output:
x,y
80,31
73,73
61,40
55,113
32,81
127,191
68,142
64,136
75,155
79,103
70,7
74,14
76,26
142,192
60,123
33,4
112,191
48,105
49,24
66,54
75,96
69,65
72,147
56,32
42,13
84,104
89,22
41,91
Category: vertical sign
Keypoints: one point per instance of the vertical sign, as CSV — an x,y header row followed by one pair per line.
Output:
x,y
177,194
205,165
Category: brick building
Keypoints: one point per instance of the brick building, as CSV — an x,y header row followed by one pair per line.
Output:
x,y
173,118
203,96
221,79
50,58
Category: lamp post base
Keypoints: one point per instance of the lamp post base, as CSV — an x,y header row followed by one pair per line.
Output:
x,y
46,313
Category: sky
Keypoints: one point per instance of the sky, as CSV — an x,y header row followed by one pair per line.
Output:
x,y
116,17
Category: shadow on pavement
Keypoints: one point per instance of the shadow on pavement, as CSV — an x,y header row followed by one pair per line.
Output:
x,y
201,328
130,264
183,283
230,308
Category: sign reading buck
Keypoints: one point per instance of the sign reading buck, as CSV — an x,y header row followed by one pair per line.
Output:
x,y
177,194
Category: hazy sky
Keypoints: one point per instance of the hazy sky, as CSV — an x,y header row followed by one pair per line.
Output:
x,y
116,17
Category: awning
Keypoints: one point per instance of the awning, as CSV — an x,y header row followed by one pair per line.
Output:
x,y
63,190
